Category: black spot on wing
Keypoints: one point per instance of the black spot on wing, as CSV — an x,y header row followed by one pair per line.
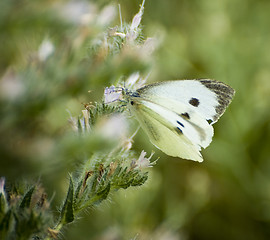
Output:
x,y
185,116
194,102
181,124
209,121
178,130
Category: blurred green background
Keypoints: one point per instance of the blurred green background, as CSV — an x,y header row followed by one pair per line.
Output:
x,y
225,197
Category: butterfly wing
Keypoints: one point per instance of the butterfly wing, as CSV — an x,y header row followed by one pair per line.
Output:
x,y
173,133
208,98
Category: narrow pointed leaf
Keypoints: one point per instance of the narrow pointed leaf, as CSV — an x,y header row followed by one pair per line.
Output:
x,y
67,214
5,223
27,198
103,194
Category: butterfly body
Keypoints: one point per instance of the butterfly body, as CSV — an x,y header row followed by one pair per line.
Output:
x,y
178,115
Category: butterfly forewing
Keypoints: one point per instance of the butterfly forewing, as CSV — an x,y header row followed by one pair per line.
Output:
x,y
208,98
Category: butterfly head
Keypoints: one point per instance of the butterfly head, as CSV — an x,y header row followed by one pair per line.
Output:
x,y
112,94
120,94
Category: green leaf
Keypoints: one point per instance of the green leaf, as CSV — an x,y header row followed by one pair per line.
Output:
x,y
78,189
93,183
67,214
91,118
5,223
27,198
103,194
139,179
3,204
80,129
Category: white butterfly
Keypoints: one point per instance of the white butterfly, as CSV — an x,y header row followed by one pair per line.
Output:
x,y
178,115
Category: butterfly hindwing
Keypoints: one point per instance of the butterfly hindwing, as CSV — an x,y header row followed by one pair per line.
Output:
x,y
179,134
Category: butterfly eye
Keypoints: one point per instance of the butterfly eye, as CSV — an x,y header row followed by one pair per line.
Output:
x,y
131,102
